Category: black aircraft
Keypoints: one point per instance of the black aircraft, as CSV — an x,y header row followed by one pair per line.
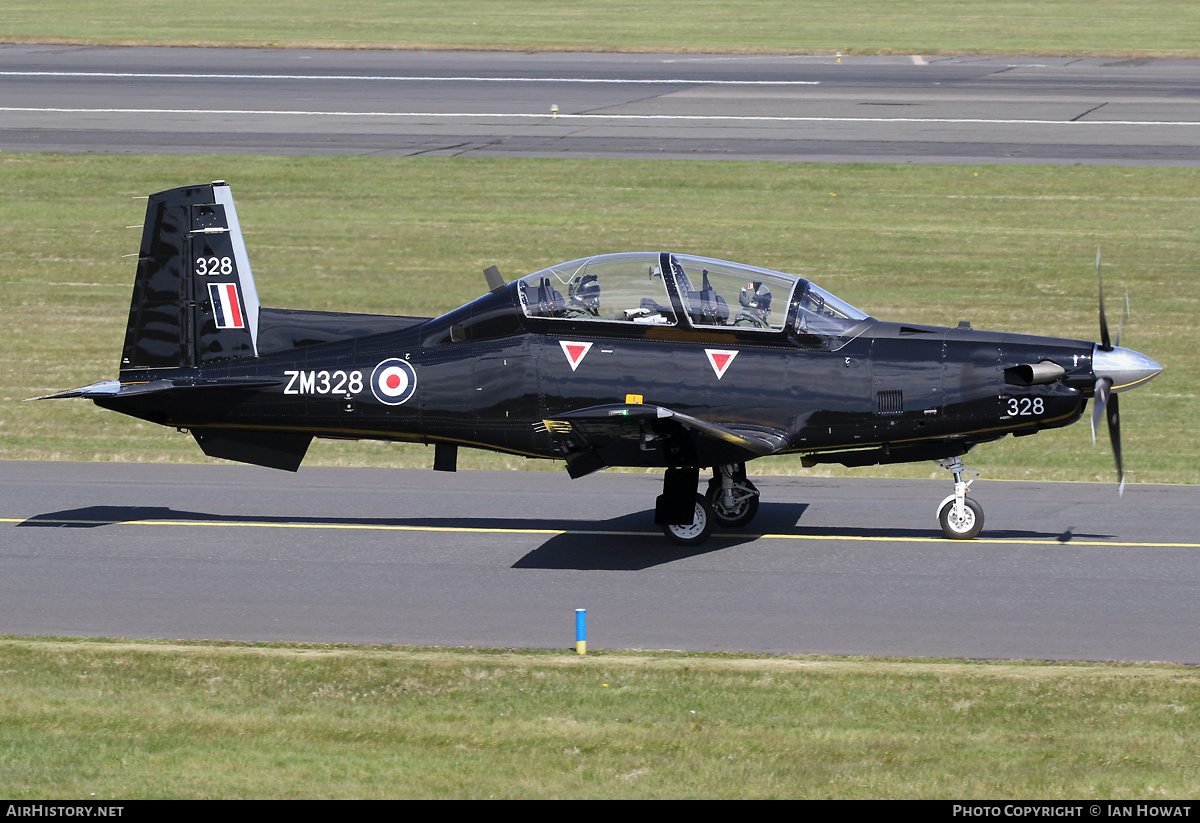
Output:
x,y
647,359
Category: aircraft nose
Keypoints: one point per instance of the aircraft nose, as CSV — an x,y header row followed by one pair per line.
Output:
x,y
1126,368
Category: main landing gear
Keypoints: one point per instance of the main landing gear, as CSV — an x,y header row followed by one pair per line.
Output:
x,y
688,518
733,498
961,516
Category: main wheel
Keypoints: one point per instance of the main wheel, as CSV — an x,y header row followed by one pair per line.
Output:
x,y
698,531
745,504
968,526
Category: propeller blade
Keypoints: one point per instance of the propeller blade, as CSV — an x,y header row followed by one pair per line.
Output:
x,y
1124,317
1100,399
1114,434
1105,343
1107,405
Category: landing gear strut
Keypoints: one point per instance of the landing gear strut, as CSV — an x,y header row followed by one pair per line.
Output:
x,y
734,499
961,516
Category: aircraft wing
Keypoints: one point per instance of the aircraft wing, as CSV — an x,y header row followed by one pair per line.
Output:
x,y
644,435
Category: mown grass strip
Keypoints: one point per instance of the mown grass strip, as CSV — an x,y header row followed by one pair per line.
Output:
x,y
121,720
1066,27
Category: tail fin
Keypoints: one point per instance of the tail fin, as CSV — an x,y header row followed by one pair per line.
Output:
x,y
194,299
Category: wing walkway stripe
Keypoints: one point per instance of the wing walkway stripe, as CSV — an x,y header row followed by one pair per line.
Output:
x,y
560,116
251,524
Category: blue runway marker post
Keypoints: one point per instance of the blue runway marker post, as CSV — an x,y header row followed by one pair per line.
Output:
x,y
581,631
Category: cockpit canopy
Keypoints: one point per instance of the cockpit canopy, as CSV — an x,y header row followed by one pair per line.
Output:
x,y
657,288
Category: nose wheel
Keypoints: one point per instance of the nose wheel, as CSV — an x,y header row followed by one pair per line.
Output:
x,y
962,525
961,517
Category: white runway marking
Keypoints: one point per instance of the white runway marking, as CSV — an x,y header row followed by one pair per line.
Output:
x,y
562,116
416,79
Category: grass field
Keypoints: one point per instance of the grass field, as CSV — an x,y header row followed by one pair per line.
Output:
x,y
1006,247
101,720
1066,27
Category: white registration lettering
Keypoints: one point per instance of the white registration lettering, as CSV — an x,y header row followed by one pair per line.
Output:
x,y
1025,406
214,265
324,382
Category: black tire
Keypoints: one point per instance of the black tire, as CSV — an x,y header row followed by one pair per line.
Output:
x,y
698,532
970,526
742,512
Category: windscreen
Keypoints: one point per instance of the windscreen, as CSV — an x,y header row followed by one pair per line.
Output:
x,y
823,314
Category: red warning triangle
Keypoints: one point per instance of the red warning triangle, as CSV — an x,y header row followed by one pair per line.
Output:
x,y
574,351
720,359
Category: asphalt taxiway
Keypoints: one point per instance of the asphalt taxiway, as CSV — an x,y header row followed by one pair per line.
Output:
x,y
1062,571
502,559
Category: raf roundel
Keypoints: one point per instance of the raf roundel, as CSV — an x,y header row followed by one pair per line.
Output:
x,y
393,382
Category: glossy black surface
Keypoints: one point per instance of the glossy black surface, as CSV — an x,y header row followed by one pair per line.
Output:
x,y
687,390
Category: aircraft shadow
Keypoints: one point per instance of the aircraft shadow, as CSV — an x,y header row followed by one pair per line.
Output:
x,y
92,517
630,542
588,550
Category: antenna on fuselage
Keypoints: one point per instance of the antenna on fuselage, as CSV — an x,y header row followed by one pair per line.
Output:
x,y
494,280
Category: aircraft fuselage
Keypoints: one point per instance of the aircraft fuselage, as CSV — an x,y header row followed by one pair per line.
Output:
x,y
486,377
643,359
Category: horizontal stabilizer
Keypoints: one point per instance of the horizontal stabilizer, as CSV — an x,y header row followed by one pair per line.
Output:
x,y
115,388
105,388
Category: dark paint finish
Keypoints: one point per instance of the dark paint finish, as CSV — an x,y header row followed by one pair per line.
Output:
x,y
674,386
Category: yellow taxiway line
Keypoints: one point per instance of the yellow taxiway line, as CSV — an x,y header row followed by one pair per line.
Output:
x,y
255,524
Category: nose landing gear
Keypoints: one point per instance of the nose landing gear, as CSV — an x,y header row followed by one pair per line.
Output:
x,y
961,517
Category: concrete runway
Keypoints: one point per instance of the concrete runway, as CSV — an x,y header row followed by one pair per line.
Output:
x,y
502,559
789,108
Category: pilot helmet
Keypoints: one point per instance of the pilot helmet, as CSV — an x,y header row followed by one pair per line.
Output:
x,y
588,291
756,296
